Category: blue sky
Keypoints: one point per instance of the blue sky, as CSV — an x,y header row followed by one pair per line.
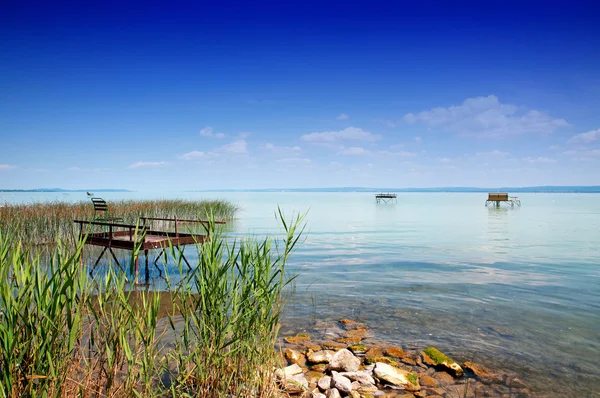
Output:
x,y
298,94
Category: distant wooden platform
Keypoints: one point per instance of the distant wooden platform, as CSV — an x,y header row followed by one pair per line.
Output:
x,y
131,237
385,197
502,197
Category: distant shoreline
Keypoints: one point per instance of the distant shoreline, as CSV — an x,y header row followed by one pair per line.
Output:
x,y
511,190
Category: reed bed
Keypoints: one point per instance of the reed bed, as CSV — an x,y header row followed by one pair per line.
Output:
x,y
63,334
44,223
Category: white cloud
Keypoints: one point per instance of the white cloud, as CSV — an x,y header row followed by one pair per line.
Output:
x,y
585,138
402,154
342,116
294,160
6,167
570,153
540,159
354,150
192,155
146,164
349,134
487,117
209,132
417,139
239,146
445,160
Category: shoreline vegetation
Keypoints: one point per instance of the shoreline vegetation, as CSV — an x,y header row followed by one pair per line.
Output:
x,y
63,334
45,223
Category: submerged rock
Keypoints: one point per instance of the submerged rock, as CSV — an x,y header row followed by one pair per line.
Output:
x,y
299,338
396,376
344,360
433,357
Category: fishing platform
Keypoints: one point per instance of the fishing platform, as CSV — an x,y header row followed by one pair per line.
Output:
x,y
139,237
502,197
388,197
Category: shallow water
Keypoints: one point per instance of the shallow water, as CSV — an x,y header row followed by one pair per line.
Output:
x,y
514,288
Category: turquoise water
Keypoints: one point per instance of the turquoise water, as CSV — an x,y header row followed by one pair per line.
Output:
x,y
512,288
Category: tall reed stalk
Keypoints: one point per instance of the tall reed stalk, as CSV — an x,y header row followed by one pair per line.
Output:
x,y
63,334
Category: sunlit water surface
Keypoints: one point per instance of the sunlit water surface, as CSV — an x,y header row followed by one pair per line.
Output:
x,y
511,288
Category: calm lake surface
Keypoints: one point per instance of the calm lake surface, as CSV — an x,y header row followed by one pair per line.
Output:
x,y
511,288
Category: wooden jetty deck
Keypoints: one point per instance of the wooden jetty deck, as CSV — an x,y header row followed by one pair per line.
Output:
x,y
386,197
138,237
502,197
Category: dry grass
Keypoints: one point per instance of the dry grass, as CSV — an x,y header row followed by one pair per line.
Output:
x,y
45,223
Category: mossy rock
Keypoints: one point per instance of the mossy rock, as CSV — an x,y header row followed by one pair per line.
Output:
x,y
434,357
357,348
382,359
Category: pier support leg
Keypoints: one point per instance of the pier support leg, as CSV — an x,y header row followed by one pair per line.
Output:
x,y
147,270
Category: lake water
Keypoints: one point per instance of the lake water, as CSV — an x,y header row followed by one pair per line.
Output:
x,y
515,288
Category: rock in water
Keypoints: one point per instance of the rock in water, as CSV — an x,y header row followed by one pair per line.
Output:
x,y
396,376
433,357
345,361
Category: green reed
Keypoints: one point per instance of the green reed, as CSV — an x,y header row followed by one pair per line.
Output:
x,y
43,223
63,334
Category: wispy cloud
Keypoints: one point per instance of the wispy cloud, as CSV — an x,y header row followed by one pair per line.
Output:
x,y
146,164
347,134
540,159
354,150
192,155
239,146
343,116
494,153
487,117
283,150
585,138
401,154
6,167
209,132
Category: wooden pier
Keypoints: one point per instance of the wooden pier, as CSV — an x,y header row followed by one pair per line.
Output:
x,y
502,197
386,197
138,237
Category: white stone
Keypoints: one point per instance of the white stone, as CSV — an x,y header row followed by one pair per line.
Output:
x,y
361,376
323,356
345,361
324,383
333,393
343,384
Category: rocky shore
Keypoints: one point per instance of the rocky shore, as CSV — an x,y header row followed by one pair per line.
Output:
x,y
347,361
